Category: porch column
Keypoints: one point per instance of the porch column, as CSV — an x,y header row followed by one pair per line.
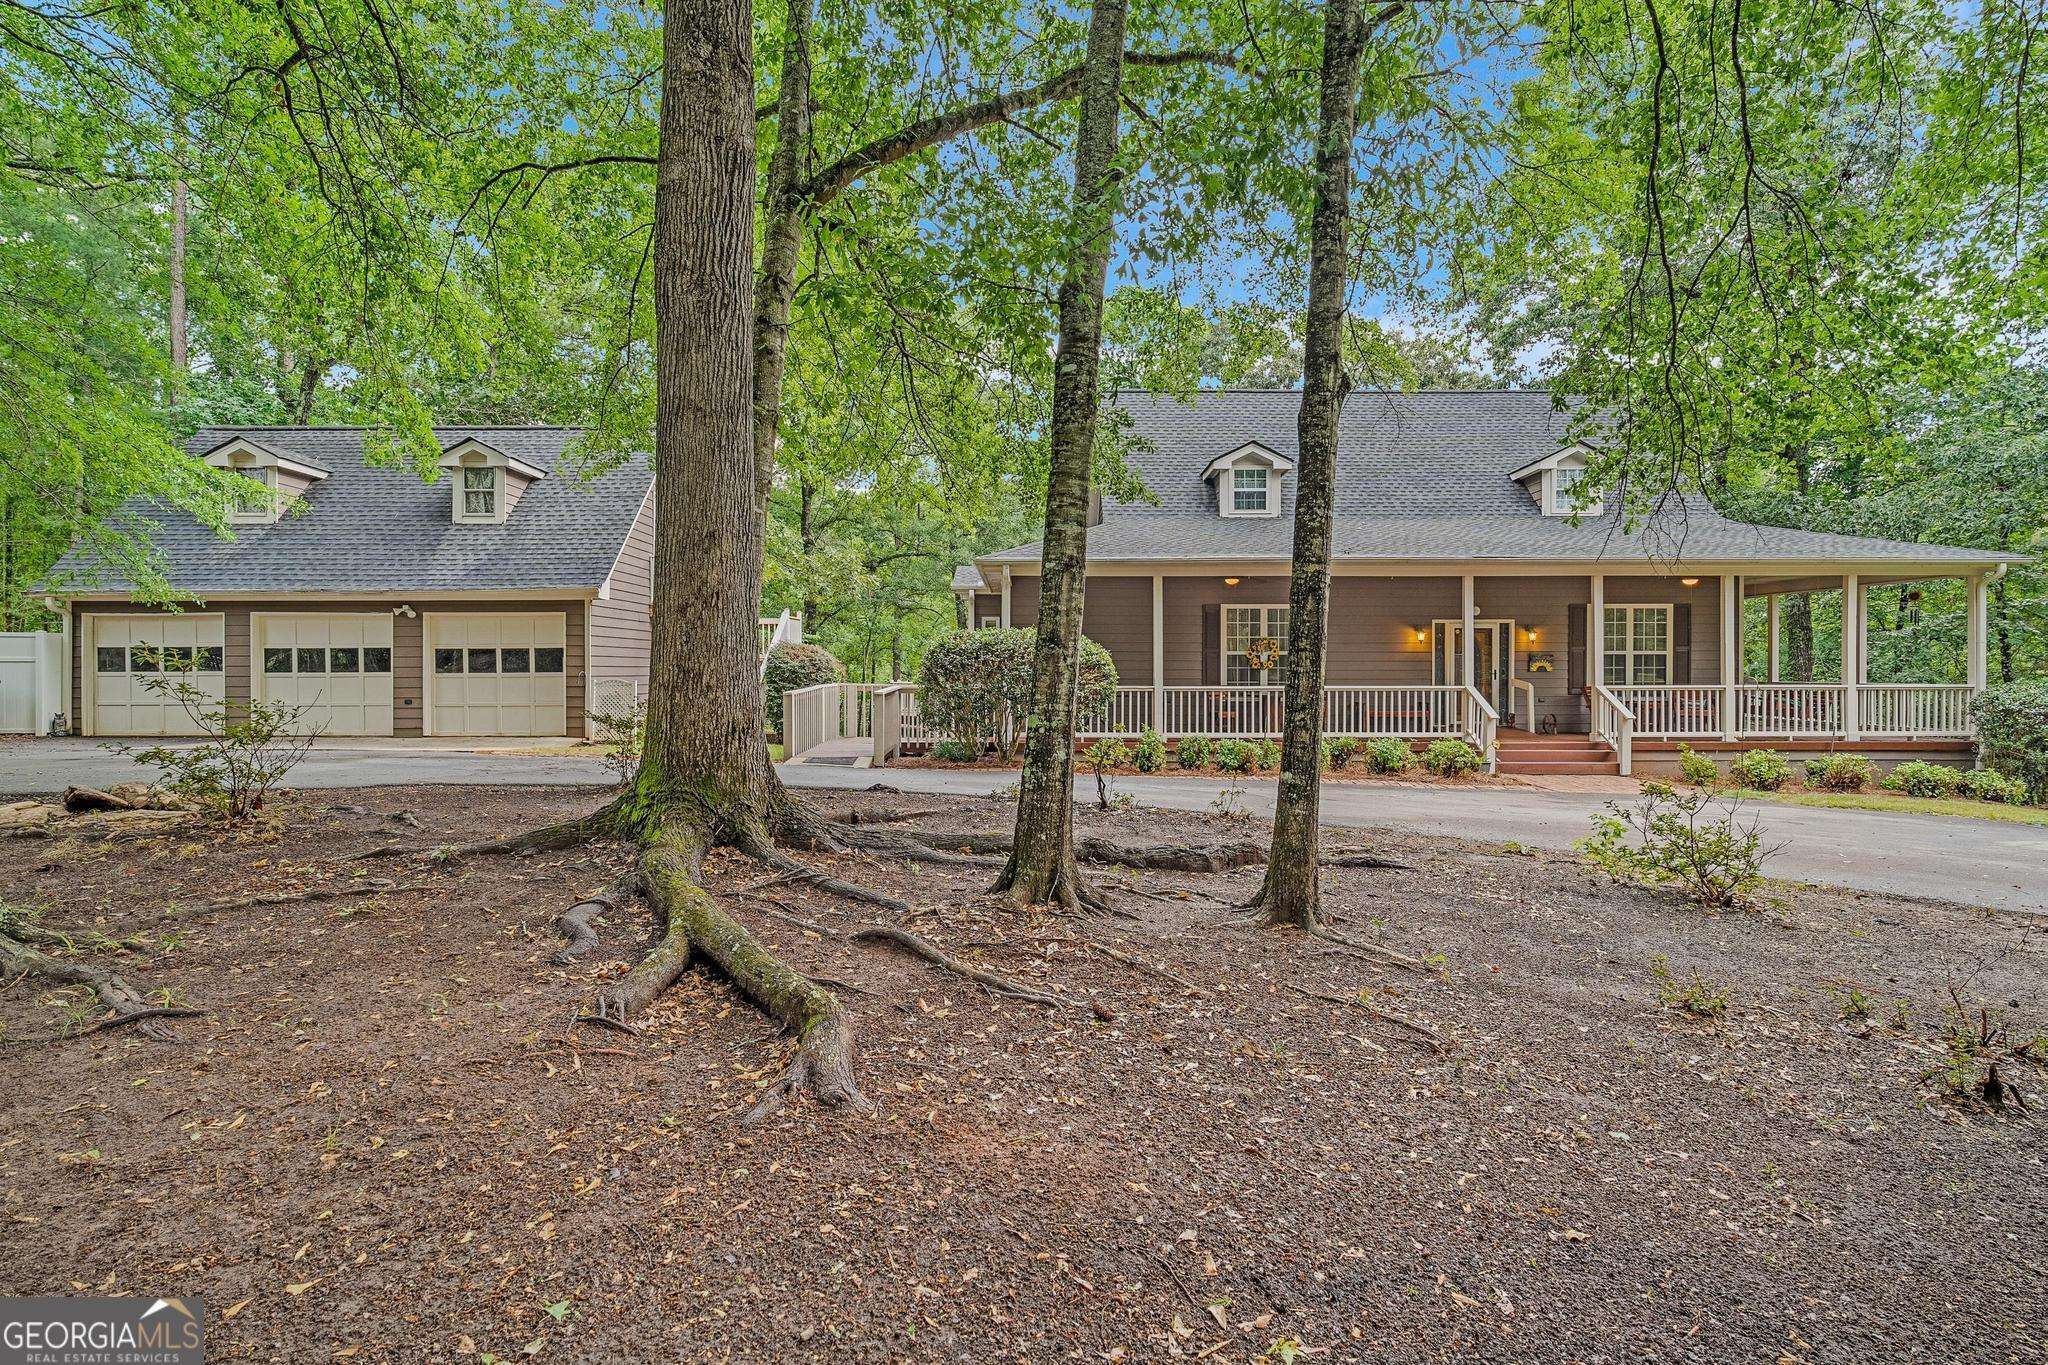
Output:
x,y
1596,632
1159,653
1731,652
1466,652
1980,631
1771,649
1852,656
1006,597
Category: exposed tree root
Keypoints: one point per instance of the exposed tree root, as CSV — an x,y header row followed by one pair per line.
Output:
x,y
1385,1016
575,921
923,947
599,824
116,994
1373,950
911,850
757,846
374,886
1222,857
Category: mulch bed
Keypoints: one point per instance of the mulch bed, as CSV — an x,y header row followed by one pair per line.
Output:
x,y
385,1142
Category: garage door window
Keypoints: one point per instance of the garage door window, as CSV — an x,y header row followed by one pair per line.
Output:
x,y
447,661
547,661
277,661
145,659
483,661
515,660
344,661
210,659
312,660
376,659
112,659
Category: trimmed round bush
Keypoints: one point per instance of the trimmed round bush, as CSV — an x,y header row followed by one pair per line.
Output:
x,y
1697,769
1452,758
1928,780
952,751
1339,751
1762,770
1236,756
1842,773
975,685
1193,751
1982,784
1148,755
793,666
2012,732
1389,755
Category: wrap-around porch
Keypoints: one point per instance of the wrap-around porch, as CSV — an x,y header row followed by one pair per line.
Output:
x,y
1619,657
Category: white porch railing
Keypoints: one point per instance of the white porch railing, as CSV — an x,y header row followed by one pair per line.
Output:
x,y
1129,712
1667,711
810,717
786,629
1401,712
1482,725
1793,710
1615,726
1935,710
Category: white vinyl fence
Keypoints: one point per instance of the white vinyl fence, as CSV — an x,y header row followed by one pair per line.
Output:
x,y
31,681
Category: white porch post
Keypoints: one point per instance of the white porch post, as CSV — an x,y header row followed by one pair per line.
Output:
x,y
1159,653
1466,651
1731,653
1006,597
1771,650
1980,631
1596,632
1852,657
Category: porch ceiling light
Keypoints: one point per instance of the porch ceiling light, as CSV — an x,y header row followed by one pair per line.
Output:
x,y
1230,582
1689,582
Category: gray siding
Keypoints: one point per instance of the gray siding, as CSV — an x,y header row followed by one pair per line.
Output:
x,y
622,625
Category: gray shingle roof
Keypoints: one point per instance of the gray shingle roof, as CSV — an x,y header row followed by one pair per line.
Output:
x,y
966,578
1420,476
375,528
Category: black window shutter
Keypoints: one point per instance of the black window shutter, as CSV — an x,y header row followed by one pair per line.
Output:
x,y
1575,646
1681,642
1212,643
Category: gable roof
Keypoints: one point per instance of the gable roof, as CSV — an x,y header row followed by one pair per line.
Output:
x,y
1420,477
967,578
381,528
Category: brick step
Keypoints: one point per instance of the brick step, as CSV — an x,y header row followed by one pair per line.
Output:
x,y
1556,751
1561,768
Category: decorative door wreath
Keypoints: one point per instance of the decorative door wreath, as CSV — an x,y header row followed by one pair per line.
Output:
x,y
1262,654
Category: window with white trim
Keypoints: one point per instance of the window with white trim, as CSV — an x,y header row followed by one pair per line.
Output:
x,y
480,493
1245,630
1249,489
254,497
1562,492
1636,645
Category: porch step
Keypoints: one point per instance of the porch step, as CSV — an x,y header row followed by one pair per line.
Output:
x,y
1609,767
1556,756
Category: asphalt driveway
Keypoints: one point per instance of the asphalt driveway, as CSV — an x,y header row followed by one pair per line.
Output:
x,y
1976,862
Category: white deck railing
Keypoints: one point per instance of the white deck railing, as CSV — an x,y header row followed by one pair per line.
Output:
x,y
1792,710
1673,711
1803,711
1614,725
1940,710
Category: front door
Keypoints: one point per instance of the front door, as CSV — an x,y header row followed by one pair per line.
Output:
x,y
1492,658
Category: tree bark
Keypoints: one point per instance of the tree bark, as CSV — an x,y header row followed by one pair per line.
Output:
x,y
781,239
179,353
1041,866
310,375
1290,895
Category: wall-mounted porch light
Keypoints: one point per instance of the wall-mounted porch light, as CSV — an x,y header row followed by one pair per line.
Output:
x,y
1420,635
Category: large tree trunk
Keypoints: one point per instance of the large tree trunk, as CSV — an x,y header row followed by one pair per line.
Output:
x,y
1041,867
179,354
1290,892
781,239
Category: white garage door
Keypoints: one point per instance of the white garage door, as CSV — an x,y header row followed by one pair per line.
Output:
x,y
336,665
125,653
497,673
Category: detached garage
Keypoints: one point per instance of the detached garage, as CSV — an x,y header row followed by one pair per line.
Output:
x,y
497,673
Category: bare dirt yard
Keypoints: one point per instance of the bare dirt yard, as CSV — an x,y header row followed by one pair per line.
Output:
x,y
384,1140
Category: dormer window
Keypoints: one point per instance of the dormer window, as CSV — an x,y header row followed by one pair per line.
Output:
x,y
266,482
480,494
485,482
254,499
1557,482
1247,481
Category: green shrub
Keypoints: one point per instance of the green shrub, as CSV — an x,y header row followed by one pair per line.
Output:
x,y
1697,769
791,667
1148,755
1101,756
1265,756
1982,784
1389,755
1924,779
1451,758
1763,770
1674,839
2012,732
1338,752
624,735
953,751
1236,756
1841,773
244,749
975,685
1193,751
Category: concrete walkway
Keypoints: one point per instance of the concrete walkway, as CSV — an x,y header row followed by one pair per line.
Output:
x,y
1978,862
